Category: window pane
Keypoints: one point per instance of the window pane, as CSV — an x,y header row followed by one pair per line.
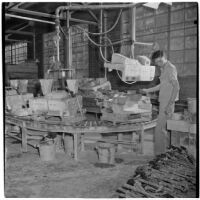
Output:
x,y
19,53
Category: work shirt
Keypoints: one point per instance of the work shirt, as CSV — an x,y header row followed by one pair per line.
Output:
x,y
168,74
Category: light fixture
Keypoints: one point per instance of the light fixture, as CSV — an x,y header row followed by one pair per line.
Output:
x,y
155,5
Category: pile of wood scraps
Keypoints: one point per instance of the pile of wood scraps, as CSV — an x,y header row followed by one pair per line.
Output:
x,y
169,175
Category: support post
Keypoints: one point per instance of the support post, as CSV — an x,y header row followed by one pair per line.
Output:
x,y
133,30
34,45
82,142
75,146
24,137
142,139
120,137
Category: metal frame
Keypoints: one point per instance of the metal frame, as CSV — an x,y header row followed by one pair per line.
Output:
x,y
40,14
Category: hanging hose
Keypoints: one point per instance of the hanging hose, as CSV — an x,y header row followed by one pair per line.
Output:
x,y
114,25
100,45
130,83
109,62
100,48
62,30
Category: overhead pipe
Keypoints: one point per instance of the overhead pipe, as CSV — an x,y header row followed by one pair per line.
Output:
x,y
82,7
40,14
29,19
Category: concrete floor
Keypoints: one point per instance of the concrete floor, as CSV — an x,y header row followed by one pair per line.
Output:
x,y
27,176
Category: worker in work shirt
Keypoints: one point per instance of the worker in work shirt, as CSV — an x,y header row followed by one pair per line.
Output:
x,y
168,94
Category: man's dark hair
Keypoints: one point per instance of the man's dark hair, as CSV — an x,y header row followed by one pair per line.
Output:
x,y
157,54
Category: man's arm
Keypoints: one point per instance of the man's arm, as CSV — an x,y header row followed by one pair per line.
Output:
x,y
153,89
174,93
175,84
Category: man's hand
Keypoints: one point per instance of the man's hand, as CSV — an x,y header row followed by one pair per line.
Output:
x,y
145,90
168,110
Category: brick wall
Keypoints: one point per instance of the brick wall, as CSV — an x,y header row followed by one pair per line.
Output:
x,y
79,51
173,28
39,54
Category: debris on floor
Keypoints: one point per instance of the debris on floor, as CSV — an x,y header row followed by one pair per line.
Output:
x,y
169,175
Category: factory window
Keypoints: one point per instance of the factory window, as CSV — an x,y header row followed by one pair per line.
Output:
x,y
16,53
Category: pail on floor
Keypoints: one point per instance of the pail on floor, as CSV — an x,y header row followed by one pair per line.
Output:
x,y
68,145
106,152
47,151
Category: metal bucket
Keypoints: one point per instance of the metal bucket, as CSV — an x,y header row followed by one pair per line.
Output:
x,y
106,152
47,151
69,145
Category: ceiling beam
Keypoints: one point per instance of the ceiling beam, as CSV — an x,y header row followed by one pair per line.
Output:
x,y
19,32
27,4
12,5
18,29
14,40
18,26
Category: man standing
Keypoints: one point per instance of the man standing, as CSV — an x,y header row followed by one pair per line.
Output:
x,y
168,94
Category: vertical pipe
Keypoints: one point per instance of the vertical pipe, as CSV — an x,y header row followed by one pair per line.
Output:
x,y
34,51
69,46
105,41
122,32
101,25
65,42
57,40
101,28
133,30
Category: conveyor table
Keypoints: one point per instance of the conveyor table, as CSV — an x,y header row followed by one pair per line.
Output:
x,y
59,127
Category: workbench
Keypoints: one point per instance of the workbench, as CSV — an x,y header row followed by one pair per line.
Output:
x,y
77,132
180,126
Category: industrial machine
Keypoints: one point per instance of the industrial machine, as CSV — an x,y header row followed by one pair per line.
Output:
x,y
131,69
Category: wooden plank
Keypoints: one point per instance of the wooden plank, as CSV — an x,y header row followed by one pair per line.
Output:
x,y
182,126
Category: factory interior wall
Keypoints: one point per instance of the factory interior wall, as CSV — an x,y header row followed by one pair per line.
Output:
x,y
174,30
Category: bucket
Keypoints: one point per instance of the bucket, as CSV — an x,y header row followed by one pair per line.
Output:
x,y
192,105
47,151
22,86
106,152
46,85
69,145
